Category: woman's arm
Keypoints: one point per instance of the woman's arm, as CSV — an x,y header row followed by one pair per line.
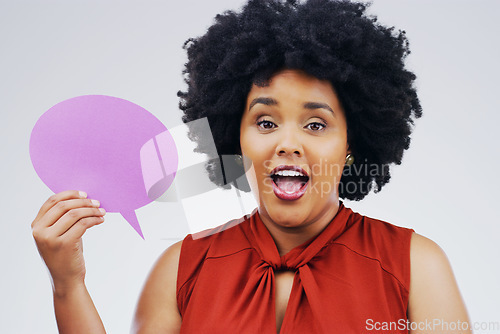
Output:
x,y
157,310
435,304
75,311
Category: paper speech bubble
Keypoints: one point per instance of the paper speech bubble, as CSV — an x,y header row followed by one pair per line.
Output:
x,y
93,143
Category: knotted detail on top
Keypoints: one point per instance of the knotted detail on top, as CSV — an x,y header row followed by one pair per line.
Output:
x,y
283,266
296,260
302,254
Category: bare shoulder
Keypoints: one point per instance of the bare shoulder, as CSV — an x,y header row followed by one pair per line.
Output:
x,y
434,294
169,259
424,250
157,310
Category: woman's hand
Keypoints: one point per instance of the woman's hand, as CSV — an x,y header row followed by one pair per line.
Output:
x,y
58,230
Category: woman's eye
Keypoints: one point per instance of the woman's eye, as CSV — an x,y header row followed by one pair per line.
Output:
x,y
315,126
266,125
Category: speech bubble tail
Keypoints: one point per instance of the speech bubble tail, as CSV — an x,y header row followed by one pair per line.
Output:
x,y
131,218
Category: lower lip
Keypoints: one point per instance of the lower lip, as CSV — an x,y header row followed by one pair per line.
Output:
x,y
289,197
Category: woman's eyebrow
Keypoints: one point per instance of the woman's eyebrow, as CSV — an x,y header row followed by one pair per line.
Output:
x,y
318,105
268,101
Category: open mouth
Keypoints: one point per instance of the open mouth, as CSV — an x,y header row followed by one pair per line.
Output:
x,y
289,182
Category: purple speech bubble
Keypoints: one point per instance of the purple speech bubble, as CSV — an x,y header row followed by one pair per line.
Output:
x,y
113,149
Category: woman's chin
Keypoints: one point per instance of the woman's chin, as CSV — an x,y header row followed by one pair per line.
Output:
x,y
288,217
298,213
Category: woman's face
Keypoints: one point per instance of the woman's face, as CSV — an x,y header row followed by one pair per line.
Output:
x,y
294,133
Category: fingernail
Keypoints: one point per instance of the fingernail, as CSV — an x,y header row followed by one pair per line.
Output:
x,y
82,194
102,211
95,202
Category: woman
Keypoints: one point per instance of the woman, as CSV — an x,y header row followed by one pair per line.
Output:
x,y
315,98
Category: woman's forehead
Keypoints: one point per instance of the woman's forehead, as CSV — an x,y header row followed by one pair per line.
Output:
x,y
292,85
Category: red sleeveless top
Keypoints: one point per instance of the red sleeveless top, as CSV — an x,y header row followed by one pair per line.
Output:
x,y
351,278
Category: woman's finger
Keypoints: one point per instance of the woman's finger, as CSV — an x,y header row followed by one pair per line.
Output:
x,y
80,227
56,198
72,217
61,208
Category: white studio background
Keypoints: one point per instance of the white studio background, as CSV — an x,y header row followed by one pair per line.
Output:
x,y
446,188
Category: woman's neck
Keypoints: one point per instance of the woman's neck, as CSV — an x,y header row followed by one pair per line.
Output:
x,y
287,238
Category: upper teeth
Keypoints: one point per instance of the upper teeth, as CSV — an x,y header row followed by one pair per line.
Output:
x,y
288,173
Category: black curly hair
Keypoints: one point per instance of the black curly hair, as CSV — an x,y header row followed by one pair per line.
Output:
x,y
332,40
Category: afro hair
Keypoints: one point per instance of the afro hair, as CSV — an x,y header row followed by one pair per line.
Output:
x,y
332,40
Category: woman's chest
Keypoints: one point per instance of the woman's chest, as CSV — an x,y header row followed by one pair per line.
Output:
x,y
255,299
283,288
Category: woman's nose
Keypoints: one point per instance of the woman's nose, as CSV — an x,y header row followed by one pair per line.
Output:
x,y
289,144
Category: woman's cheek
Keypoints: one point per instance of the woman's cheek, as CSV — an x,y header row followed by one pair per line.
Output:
x,y
252,178
268,186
